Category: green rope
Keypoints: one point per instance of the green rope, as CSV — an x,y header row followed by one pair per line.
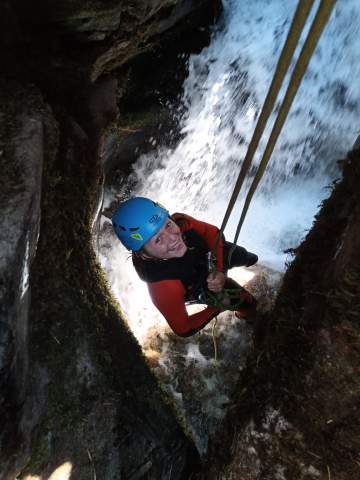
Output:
x,y
299,20
317,27
216,300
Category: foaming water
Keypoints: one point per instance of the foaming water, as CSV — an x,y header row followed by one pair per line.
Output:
x,y
223,96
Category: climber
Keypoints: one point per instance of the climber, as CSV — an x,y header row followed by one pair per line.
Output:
x,y
171,254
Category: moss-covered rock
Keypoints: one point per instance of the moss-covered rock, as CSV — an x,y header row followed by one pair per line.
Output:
x,y
299,415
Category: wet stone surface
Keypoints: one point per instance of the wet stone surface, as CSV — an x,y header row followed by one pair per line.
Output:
x,y
202,376
201,386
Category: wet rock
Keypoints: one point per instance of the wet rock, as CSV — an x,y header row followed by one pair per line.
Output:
x,y
10,32
143,44
101,103
23,116
107,36
124,144
199,379
155,19
6,356
21,165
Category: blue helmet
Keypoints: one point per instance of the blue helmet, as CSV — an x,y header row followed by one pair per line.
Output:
x,y
136,220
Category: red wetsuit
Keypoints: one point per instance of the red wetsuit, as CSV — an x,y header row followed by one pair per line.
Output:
x,y
170,293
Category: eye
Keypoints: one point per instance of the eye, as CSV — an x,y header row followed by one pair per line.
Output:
x,y
169,223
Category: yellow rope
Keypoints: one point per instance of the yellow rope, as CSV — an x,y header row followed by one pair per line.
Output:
x,y
312,39
317,27
213,331
299,19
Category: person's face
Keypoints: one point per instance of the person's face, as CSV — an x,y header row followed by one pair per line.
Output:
x,y
167,242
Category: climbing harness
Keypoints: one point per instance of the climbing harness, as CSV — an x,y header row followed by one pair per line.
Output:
x,y
299,20
216,300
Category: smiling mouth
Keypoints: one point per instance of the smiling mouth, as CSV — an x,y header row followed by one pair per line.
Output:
x,y
176,247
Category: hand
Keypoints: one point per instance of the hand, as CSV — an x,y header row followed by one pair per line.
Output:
x,y
216,281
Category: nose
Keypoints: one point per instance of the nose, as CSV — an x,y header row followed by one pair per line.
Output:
x,y
172,234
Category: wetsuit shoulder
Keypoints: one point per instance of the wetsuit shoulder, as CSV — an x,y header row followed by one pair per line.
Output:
x,y
206,230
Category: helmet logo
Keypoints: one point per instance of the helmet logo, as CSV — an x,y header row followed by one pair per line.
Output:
x,y
155,219
136,236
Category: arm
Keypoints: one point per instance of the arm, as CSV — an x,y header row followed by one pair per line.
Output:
x,y
168,297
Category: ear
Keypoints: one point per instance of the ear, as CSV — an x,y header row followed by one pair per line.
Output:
x,y
142,253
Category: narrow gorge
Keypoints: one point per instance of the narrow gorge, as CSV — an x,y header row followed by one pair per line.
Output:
x,y
100,100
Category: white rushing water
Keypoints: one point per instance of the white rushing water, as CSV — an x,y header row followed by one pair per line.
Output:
x,y
223,95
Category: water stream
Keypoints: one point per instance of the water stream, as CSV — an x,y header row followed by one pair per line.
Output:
x,y
223,95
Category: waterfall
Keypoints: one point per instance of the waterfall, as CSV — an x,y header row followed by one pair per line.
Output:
x,y
223,95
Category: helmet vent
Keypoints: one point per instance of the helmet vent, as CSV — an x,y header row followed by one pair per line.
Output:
x,y
134,229
122,228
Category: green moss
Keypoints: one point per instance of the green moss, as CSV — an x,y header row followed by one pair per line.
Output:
x,y
134,122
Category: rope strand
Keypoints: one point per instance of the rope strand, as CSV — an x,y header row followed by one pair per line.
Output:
x,y
317,27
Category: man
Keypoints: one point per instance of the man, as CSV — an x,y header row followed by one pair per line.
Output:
x,y
171,254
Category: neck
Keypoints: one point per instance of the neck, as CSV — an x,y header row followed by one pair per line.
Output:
x,y
145,256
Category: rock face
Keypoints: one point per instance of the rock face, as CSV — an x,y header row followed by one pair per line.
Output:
x,y
81,42
75,391
82,397
22,151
